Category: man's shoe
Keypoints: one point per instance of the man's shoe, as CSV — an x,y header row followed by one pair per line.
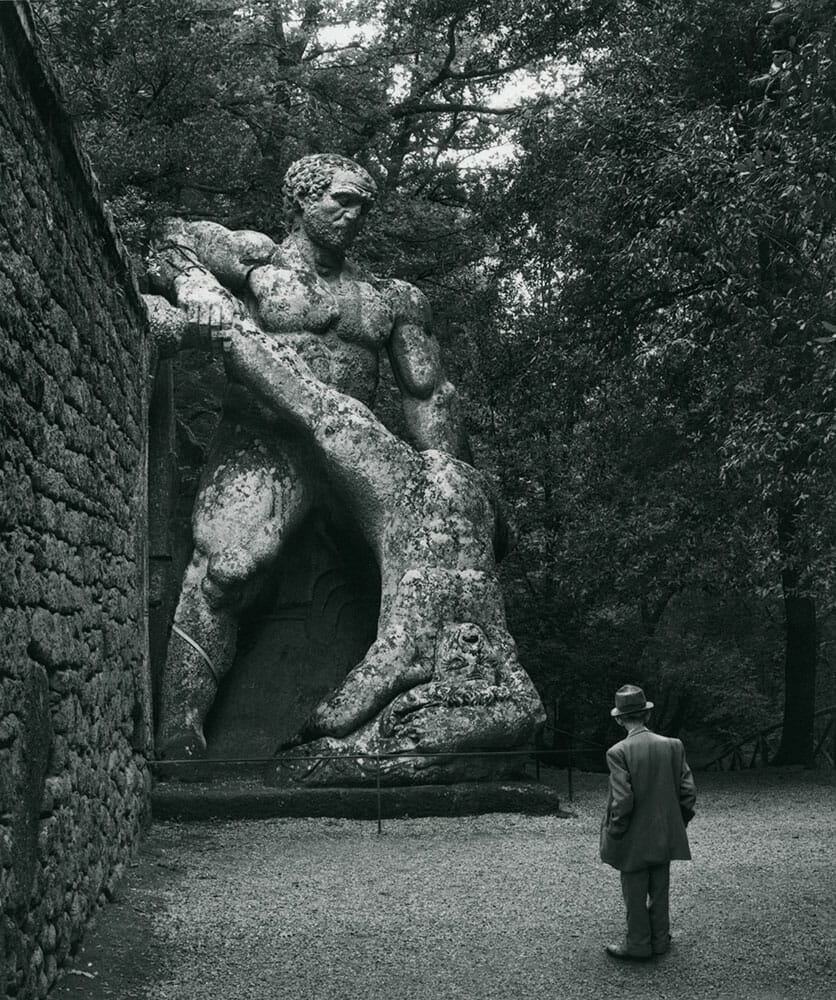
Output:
x,y
619,951
663,946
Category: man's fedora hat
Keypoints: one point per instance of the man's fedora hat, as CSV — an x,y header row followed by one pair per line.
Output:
x,y
629,700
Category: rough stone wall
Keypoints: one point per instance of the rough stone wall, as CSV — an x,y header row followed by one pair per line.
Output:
x,y
74,693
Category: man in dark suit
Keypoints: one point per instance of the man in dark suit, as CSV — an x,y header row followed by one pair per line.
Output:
x,y
651,800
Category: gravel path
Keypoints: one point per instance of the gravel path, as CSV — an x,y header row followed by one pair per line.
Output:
x,y
491,907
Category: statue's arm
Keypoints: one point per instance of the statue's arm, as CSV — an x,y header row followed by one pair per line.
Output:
x,y
200,265
430,401
359,453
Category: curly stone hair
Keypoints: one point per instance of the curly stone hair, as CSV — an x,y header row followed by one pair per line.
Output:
x,y
311,175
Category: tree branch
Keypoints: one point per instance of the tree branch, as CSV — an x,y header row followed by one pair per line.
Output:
x,y
444,71
407,109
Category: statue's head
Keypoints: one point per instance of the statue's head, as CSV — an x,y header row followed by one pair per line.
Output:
x,y
464,653
328,197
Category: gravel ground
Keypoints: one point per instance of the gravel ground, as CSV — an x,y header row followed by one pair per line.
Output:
x,y
487,907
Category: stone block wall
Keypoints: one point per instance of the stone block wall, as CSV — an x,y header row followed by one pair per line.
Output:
x,y
74,689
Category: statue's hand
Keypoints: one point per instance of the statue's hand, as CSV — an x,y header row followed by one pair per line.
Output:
x,y
211,312
209,309
398,718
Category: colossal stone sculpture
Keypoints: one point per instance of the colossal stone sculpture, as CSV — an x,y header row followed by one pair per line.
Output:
x,y
259,481
442,676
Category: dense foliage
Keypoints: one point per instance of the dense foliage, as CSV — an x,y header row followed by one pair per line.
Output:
x,y
198,107
639,305
674,217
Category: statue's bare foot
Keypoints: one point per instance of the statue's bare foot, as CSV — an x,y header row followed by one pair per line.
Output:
x,y
292,741
186,744
181,756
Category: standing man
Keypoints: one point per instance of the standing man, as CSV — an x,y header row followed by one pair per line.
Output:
x,y
259,481
651,801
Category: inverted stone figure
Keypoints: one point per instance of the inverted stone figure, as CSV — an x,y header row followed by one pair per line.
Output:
x,y
259,482
443,674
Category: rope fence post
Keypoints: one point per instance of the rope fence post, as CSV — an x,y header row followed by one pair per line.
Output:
x,y
377,782
569,768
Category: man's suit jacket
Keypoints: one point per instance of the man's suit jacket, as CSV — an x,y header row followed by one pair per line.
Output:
x,y
651,799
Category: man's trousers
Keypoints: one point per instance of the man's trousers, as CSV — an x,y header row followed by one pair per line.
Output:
x,y
646,896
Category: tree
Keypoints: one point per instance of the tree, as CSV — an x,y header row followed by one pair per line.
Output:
x,y
688,246
199,106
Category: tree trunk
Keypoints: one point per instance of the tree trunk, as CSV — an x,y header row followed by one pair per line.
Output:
x,y
800,658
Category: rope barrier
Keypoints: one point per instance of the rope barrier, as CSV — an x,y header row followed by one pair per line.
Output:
x,y
735,749
582,739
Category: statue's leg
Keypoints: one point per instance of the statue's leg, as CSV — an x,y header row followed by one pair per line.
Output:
x,y
394,662
253,492
400,657
200,648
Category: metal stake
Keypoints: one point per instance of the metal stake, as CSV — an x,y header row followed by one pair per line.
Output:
x,y
379,815
571,795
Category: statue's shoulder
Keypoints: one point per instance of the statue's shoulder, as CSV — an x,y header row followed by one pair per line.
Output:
x,y
286,257
229,254
253,248
406,302
244,242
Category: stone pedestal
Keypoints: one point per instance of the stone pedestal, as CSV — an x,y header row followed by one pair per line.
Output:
x,y
248,799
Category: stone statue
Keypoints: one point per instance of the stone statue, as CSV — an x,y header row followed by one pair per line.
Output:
x,y
442,676
259,483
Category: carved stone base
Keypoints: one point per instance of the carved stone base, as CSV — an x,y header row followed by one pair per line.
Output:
x,y
239,799
301,768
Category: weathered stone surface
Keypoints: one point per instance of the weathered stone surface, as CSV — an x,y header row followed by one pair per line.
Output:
x,y
442,677
260,486
72,384
442,674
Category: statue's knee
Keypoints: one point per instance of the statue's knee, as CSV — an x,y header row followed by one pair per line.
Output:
x,y
225,580
218,595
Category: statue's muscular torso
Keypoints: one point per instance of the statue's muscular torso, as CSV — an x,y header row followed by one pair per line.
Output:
x,y
338,323
339,327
